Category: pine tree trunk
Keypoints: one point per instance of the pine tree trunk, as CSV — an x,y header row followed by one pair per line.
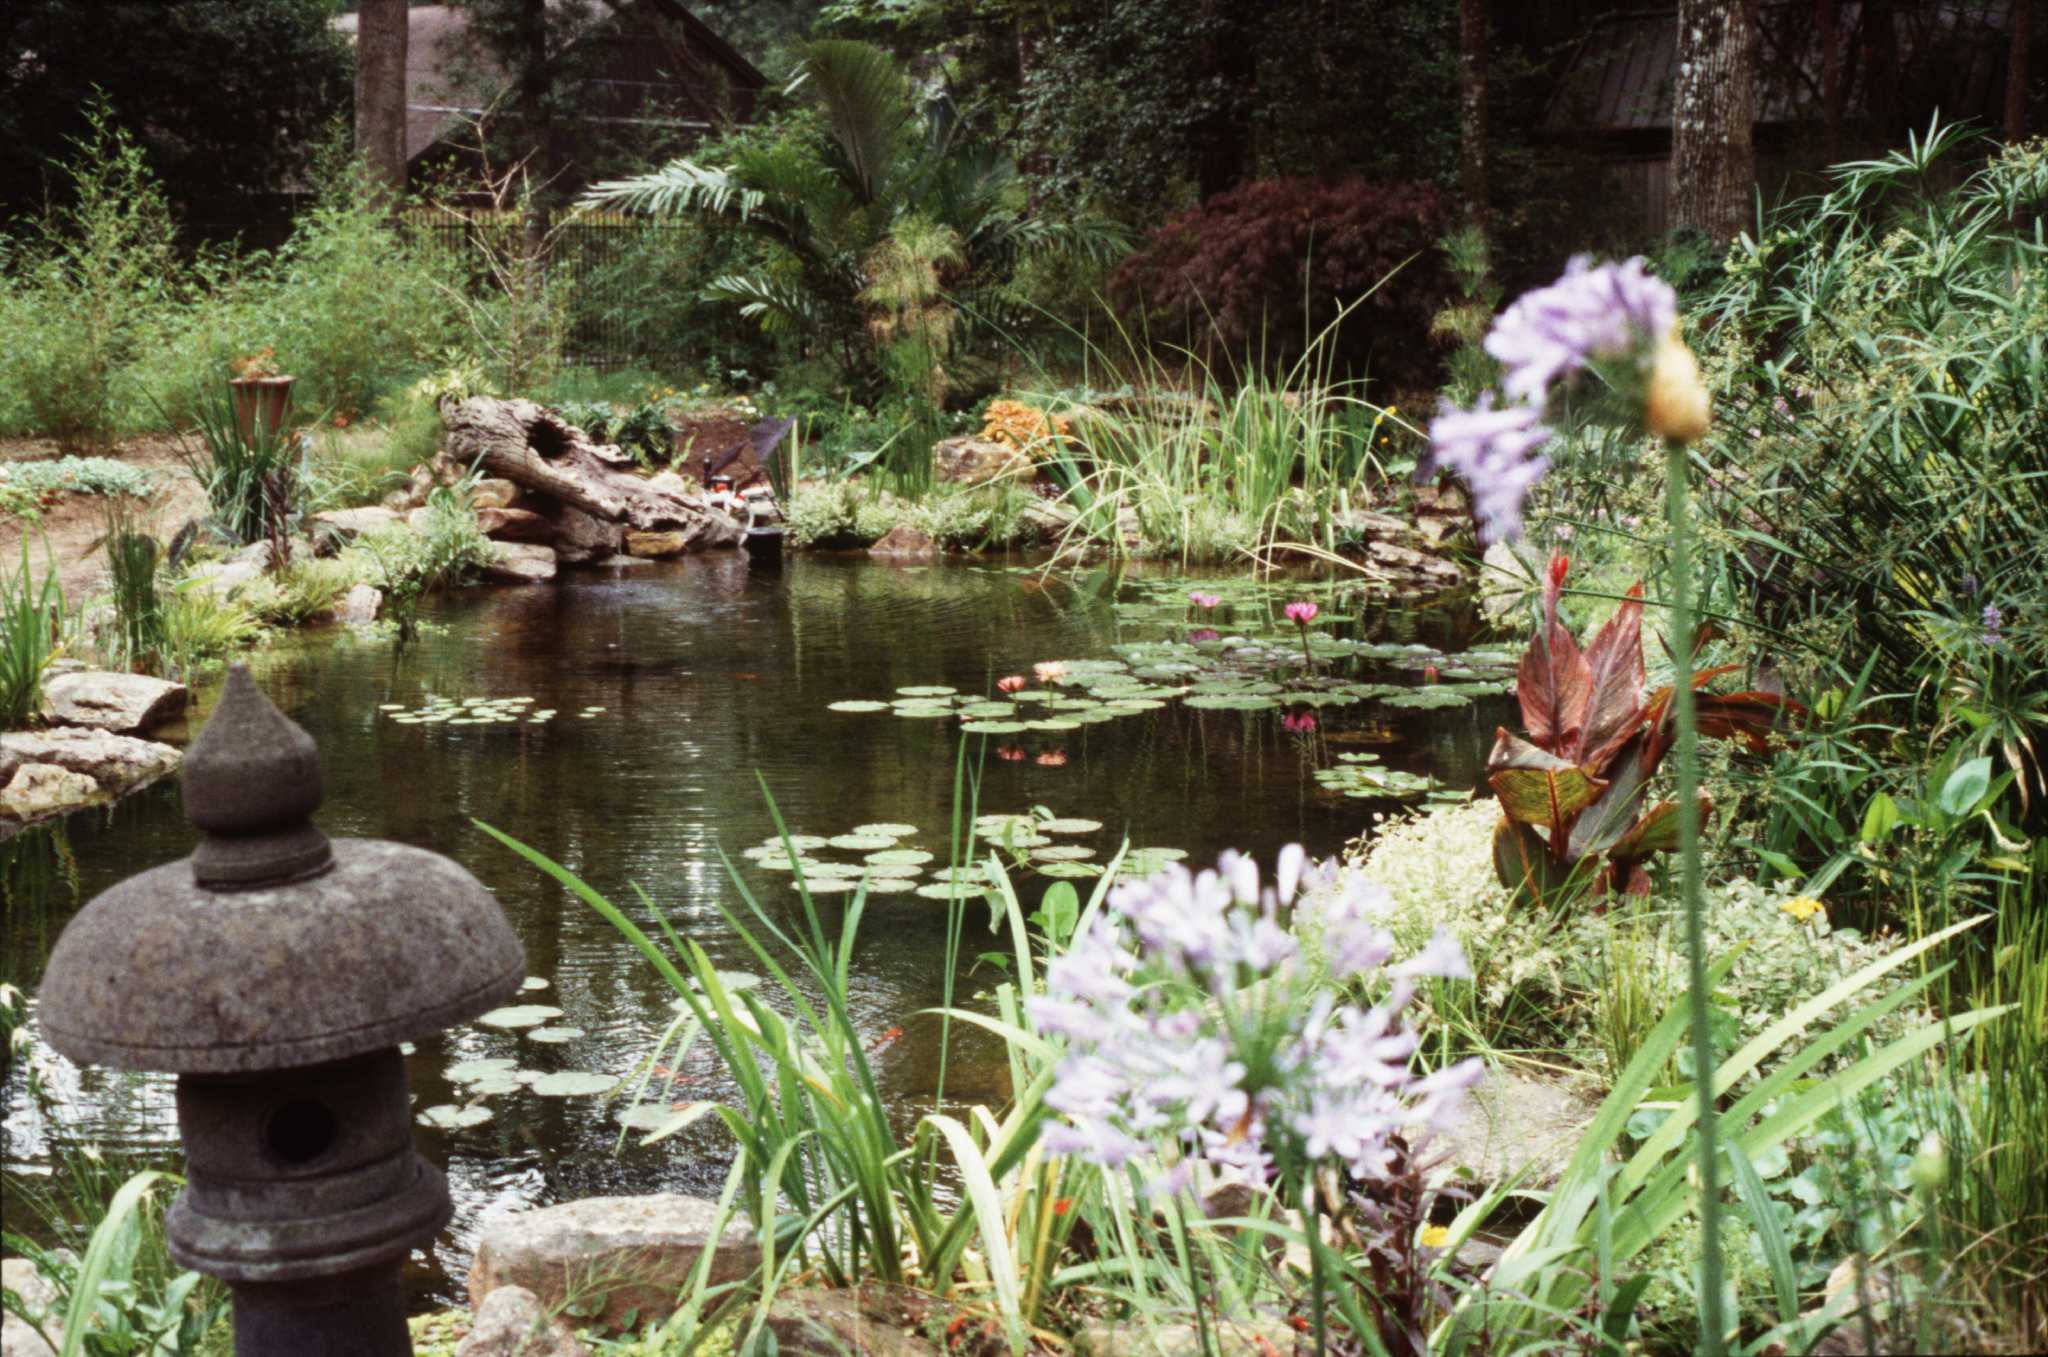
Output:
x,y
1829,24
381,34
2016,70
1713,163
1472,105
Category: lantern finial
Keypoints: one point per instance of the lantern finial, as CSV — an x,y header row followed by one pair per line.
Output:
x,y
252,783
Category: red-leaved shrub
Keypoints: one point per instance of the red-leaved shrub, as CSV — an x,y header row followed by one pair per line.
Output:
x,y
1240,270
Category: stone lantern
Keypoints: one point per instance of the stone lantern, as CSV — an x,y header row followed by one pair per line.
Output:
x,y
275,973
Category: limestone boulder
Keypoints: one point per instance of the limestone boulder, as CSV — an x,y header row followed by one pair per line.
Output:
x,y
349,524
514,525
118,763
655,546
619,1255
511,1322
883,1321
128,704
18,1338
493,492
581,537
360,605
520,563
221,578
904,543
977,461
1250,1336
39,791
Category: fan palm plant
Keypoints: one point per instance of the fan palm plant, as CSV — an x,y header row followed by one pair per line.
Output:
x,y
870,180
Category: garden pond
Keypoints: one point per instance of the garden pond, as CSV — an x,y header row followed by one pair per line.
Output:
x,y
624,723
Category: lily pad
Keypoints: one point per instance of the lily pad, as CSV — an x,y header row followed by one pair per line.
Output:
x,y
554,1034
857,705
1069,869
861,843
1057,723
573,1084
1066,852
886,828
449,1117
469,1071
533,982
998,727
493,1085
519,1015
900,857
927,690
1070,825
952,890
825,885
644,1116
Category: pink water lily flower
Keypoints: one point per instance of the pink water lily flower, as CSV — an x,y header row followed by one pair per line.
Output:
x,y
1202,600
1299,723
1049,671
1011,683
1301,612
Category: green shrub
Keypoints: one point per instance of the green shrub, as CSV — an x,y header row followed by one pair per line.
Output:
x,y
81,293
361,464
840,514
203,625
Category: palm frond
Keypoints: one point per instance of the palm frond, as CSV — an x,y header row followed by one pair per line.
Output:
x,y
867,105
776,305
676,188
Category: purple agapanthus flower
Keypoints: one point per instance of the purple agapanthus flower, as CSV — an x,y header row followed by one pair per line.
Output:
x,y
1494,452
1994,622
1188,982
1593,312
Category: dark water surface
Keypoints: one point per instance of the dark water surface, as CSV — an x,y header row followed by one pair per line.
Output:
x,y
708,674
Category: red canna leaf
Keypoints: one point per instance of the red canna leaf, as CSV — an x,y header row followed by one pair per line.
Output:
x,y
1614,703
1552,683
1538,788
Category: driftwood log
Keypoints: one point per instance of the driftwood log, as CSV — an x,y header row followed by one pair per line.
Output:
x,y
538,450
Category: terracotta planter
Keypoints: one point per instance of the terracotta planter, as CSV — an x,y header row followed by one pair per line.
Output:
x,y
265,398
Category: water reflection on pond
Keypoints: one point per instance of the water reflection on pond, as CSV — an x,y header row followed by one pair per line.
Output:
x,y
706,675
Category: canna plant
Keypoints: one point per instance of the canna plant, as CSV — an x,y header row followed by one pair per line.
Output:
x,y
1573,791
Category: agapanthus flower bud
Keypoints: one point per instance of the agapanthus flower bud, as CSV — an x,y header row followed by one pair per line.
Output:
x,y
1677,406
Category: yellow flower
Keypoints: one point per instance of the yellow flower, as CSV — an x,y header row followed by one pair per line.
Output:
x,y
1435,1236
1802,907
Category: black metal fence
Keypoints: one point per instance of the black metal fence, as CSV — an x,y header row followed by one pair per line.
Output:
x,y
631,293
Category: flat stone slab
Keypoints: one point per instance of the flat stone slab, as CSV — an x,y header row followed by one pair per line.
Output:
x,y
636,1252
1510,1121
520,563
656,545
514,525
115,764
127,704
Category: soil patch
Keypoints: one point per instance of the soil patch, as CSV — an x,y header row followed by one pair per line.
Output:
x,y
70,529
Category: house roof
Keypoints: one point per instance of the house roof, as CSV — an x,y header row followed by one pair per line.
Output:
x,y
1621,76
440,100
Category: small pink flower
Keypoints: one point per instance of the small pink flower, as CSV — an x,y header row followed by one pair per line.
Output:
x,y
1202,600
1300,723
1011,683
1052,758
1201,634
1049,671
1302,612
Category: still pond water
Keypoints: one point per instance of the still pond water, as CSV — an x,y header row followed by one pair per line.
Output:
x,y
671,688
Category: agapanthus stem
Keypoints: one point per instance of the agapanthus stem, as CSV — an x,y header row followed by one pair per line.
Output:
x,y
1712,1325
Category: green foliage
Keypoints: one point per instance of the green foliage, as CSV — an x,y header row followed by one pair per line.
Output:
x,y
32,612
827,193
641,428
1885,346
409,564
82,291
361,464
204,625
122,1295
840,513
